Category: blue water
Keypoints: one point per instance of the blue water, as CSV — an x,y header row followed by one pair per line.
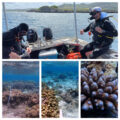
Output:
x,y
18,72
62,76
51,72
62,24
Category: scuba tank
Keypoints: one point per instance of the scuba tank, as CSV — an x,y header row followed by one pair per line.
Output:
x,y
32,36
47,33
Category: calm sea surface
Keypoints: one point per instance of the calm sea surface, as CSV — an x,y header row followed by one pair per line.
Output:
x,y
62,24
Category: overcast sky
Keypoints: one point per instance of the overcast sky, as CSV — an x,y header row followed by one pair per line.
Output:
x,y
21,5
26,5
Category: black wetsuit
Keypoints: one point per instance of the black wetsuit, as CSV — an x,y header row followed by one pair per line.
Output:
x,y
10,43
101,41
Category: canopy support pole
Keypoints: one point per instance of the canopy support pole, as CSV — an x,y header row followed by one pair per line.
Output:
x,y
75,19
4,12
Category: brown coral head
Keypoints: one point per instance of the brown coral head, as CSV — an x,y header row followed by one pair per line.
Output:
x,y
98,92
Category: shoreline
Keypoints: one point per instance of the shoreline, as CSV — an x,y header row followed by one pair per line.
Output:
x,y
54,12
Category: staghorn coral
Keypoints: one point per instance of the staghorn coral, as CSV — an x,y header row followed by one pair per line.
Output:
x,y
50,108
99,92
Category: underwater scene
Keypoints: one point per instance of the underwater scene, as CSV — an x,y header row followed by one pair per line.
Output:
x,y
20,91
99,89
60,89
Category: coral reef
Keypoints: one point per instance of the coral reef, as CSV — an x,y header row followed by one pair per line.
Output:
x,y
24,85
33,99
65,87
21,85
107,67
99,92
97,65
50,108
15,98
32,112
6,86
111,68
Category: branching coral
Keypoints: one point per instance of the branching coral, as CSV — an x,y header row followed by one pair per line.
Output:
x,y
50,106
99,92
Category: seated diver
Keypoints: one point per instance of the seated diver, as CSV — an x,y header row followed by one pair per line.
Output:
x,y
12,42
103,32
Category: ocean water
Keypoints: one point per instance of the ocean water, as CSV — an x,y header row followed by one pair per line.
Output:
x,y
20,72
63,74
62,24
63,78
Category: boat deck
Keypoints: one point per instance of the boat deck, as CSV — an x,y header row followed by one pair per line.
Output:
x,y
41,45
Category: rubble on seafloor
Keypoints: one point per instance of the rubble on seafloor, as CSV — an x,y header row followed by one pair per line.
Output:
x,y
50,108
12,100
69,103
99,91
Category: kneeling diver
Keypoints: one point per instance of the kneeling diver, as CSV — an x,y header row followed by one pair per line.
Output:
x,y
12,42
103,32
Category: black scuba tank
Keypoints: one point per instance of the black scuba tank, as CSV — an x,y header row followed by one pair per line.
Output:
x,y
47,33
32,36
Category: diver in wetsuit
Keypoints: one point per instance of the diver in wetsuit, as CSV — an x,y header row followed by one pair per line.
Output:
x,y
12,42
103,32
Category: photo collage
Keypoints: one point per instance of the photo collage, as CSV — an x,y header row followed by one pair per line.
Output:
x,y
60,59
